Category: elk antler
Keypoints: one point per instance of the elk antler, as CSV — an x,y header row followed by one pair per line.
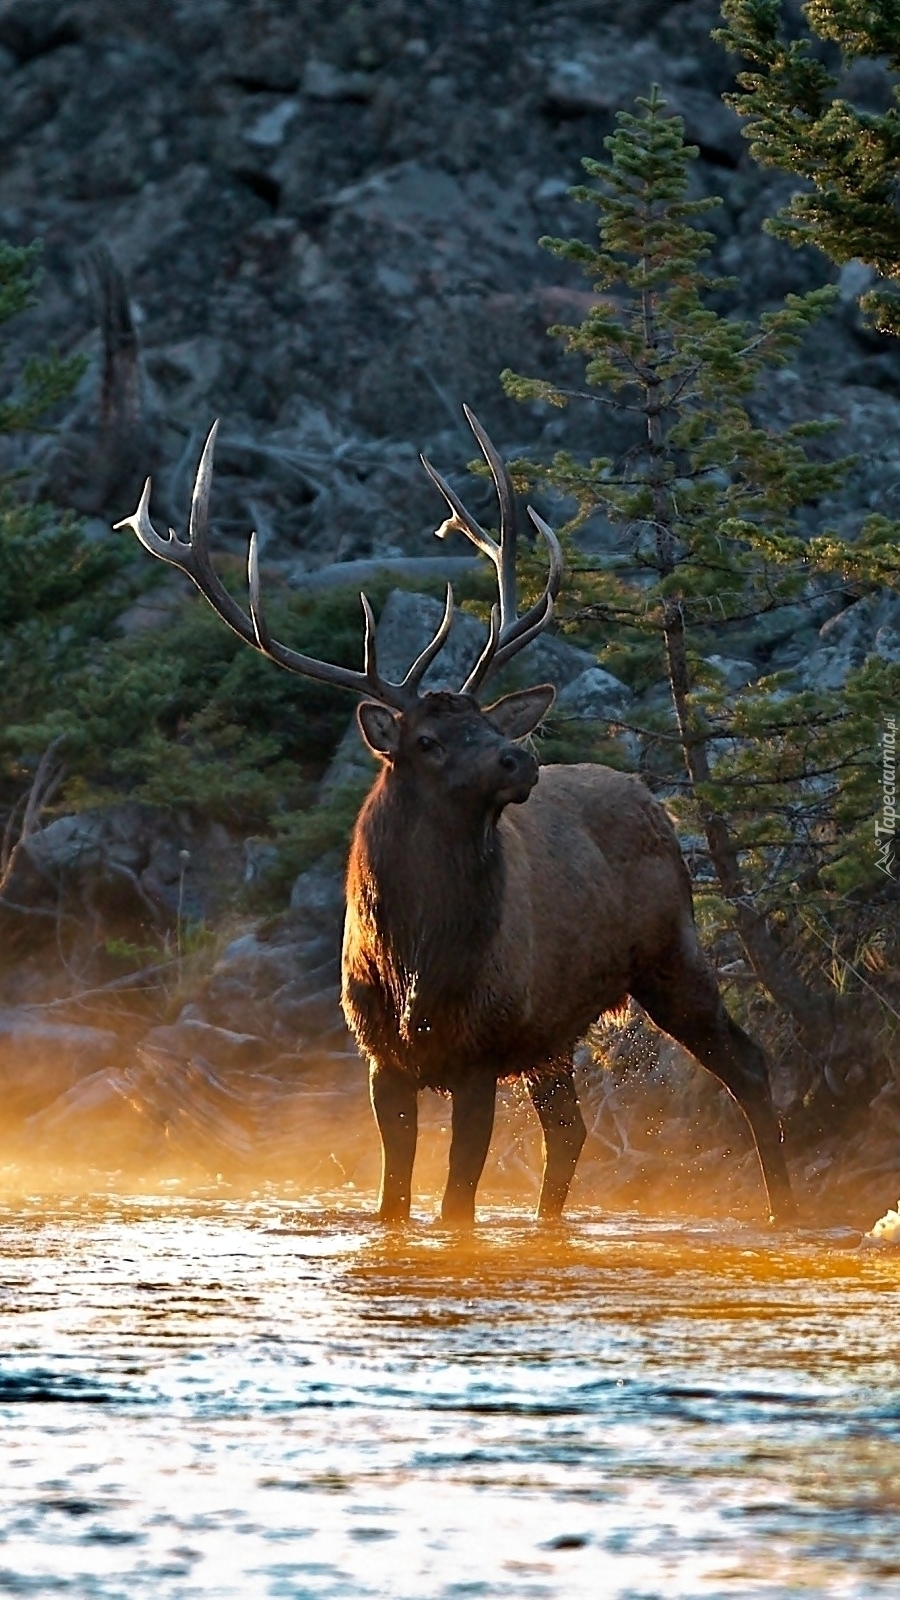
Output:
x,y
192,557
509,633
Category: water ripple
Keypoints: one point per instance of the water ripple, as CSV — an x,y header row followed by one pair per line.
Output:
x,y
252,1400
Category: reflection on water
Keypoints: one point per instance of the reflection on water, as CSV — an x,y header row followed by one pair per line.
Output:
x,y
269,1399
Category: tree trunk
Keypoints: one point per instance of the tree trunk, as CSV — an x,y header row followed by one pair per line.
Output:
x,y
813,1012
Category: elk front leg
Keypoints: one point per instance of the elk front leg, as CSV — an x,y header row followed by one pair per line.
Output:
x,y
556,1103
397,1114
472,1126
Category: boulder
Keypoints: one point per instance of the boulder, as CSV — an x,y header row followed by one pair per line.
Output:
x,y
41,1058
317,896
279,983
589,80
736,674
869,627
405,626
128,867
190,1038
595,695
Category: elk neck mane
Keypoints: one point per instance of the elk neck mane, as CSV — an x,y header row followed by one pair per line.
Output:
x,y
430,887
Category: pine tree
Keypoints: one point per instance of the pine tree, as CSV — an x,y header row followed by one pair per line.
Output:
x,y
48,570
187,719
780,779
850,157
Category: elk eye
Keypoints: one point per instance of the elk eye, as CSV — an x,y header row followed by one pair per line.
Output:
x,y
425,742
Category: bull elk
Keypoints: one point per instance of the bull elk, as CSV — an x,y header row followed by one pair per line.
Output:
x,y
495,910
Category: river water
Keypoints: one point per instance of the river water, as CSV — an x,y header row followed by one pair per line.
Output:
x,y
258,1397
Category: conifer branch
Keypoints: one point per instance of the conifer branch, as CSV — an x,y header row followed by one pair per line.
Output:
x,y
707,503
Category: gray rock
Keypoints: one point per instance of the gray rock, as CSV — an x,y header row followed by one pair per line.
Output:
x,y
410,568
190,1038
405,626
351,768
735,673
253,964
41,1058
261,859
588,80
153,610
130,863
869,627
269,130
281,982
550,659
322,81
285,214
594,695
887,642
409,621
317,896
854,279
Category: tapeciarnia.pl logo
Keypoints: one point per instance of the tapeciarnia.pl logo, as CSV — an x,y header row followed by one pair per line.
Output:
x,y
886,823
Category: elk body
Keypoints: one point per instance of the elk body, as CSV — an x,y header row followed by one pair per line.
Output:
x,y
495,910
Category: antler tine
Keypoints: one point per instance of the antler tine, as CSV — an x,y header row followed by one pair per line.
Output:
x,y
140,524
462,520
505,652
538,616
260,626
509,633
370,655
488,655
506,570
192,557
557,564
199,522
423,661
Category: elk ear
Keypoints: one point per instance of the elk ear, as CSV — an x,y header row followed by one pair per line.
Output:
x,y
380,729
519,714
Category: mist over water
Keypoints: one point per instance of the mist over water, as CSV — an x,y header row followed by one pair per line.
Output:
x,y
270,1397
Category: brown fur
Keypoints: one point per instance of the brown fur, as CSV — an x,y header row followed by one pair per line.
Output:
x,y
482,939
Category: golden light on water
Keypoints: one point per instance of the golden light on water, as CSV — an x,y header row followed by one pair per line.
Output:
x,y
219,1375
270,1396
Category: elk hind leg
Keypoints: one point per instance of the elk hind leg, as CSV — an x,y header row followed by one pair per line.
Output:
x,y
396,1111
556,1103
472,1124
691,1011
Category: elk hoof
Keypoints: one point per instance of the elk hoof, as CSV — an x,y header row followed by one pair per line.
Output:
x,y
454,1216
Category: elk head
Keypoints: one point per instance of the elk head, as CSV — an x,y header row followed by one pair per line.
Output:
x,y
442,741
451,751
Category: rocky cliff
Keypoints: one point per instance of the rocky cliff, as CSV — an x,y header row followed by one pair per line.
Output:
x,y
325,220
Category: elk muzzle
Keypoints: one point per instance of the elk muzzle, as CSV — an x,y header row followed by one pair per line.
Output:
x,y
517,773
